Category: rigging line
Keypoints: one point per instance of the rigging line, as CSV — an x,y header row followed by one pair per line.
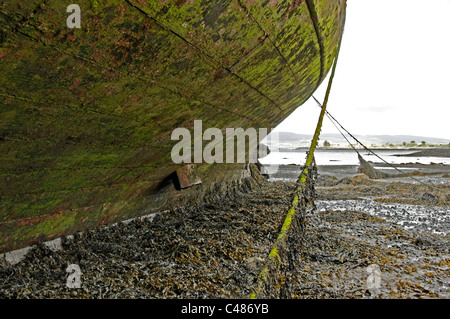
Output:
x,y
330,117
333,120
354,148
298,202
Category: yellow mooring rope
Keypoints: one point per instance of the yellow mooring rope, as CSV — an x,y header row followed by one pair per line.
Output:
x,y
273,264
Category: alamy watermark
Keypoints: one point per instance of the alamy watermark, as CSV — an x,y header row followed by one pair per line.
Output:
x,y
220,148
74,278
74,19
374,278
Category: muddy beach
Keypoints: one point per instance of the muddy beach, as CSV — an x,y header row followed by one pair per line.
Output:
x,y
393,228
214,250
402,228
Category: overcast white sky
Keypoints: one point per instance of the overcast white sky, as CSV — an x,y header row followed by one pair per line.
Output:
x,y
393,72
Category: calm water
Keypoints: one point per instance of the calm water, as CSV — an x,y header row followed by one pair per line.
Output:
x,y
348,157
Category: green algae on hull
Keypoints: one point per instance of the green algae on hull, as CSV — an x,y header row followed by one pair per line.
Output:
x,y
86,114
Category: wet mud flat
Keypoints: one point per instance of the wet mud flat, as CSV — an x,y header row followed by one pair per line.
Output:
x,y
400,230
345,248
332,174
396,230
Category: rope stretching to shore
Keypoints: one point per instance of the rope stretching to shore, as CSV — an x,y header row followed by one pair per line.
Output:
x,y
336,123
273,280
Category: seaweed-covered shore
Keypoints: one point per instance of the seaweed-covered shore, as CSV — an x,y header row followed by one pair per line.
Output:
x,y
212,250
401,228
217,249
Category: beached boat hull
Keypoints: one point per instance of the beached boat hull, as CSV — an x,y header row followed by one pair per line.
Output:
x,y
87,113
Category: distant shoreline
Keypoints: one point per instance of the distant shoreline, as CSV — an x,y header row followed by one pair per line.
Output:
x,y
442,151
419,148
437,152
291,171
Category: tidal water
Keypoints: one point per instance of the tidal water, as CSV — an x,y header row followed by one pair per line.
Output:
x,y
349,157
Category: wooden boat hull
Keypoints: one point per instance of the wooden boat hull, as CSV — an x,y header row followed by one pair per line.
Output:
x,y
87,113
